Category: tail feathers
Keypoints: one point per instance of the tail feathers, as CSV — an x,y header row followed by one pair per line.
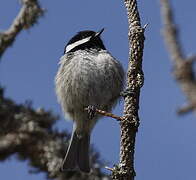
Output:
x,y
83,153
77,154
70,160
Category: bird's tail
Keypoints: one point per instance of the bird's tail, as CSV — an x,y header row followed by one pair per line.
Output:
x,y
77,154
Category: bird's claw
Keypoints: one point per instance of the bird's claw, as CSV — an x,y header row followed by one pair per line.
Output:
x,y
91,111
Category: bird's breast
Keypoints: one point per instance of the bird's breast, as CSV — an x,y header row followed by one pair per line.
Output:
x,y
87,79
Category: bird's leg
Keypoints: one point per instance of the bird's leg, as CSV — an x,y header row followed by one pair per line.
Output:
x,y
91,110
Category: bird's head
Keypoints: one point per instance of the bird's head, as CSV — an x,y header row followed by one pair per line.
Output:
x,y
85,40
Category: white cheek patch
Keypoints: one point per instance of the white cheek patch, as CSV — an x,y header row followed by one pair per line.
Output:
x,y
77,43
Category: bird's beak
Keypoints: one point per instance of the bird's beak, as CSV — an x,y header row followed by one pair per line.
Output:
x,y
99,32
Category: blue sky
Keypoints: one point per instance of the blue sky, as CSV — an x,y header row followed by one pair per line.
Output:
x,y
165,147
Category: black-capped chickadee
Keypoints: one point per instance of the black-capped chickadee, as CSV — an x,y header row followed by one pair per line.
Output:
x,y
88,75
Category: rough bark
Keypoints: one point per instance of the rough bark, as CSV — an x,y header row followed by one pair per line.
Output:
x,y
135,78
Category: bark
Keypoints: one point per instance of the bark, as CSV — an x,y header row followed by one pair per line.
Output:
x,y
135,79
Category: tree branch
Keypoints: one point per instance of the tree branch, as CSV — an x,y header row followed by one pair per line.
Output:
x,y
182,66
31,135
27,17
135,78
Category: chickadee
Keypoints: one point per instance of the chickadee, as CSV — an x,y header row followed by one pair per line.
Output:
x,y
88,75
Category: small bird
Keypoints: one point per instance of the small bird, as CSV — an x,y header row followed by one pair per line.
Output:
x,y
88,75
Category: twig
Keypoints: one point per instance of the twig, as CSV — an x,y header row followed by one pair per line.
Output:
x,y
27,17
182,66
104,113
108,168
186,109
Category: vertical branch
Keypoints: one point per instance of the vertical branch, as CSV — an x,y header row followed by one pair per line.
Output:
x,y
182,65
135,78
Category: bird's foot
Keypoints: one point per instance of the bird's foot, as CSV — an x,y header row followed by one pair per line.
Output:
x,y
91,111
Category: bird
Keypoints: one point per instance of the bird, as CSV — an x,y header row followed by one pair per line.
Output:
x,y
88,75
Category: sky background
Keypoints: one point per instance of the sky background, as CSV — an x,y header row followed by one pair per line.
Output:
x,y
166,143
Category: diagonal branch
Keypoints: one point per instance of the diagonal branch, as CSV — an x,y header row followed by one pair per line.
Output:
x,y
135,78
27,17
182,66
